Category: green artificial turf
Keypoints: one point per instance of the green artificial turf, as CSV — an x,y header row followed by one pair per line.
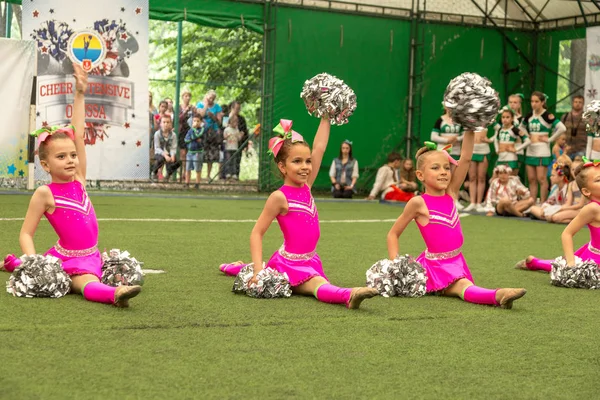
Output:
x,y
188,336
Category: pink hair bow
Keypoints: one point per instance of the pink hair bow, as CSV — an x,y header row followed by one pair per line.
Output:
x,y
44,133
445,150
284,131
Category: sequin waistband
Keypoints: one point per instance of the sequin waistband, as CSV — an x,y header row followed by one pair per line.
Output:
x,y
442,256
294,256
75,253
593,249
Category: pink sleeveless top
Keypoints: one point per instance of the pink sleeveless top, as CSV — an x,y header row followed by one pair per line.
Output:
x,y
74,218
300,226
443,232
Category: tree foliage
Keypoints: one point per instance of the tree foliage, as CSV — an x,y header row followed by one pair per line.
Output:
x,y
227,60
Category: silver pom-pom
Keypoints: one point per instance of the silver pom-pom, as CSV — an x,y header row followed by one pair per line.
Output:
x,y
583,275
120,269
402,277
591,116
39,276
325,94
270,283
473,102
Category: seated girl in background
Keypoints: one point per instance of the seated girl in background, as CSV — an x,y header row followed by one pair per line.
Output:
x,y
560,178
574,203
507,196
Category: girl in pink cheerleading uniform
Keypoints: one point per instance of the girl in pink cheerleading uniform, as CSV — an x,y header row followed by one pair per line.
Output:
x,y
438,220
296,212
69,210
587,177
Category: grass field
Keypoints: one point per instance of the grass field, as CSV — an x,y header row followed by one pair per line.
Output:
x,y
188,336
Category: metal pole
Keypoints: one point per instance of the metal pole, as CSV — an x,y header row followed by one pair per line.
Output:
x,y
8,19
178,76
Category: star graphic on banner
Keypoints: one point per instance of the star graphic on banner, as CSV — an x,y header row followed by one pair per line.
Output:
x,y
20,151
137,165
138,10
122,9
52,11
126,125
44,124
74,20
44,50
27,161
138,143
137,32
124,36
132,115
127,53
21,173
11,169
123,143
20,158
37,114
36,13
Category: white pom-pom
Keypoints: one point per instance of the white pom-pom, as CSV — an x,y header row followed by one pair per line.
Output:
x,y
591,116
402,277
270,283
325,94
583,275
120,269
39,276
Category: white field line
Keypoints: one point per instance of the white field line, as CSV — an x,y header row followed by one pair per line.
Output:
x,y
332,221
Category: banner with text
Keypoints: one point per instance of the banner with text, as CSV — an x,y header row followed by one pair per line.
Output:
x,y
112,43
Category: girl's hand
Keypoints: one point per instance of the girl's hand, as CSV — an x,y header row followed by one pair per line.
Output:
x,y
544,139
254,279
452,139
81,78
337,186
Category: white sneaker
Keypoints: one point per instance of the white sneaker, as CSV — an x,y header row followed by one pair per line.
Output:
x,y
464,195
480,208
470,207
459,206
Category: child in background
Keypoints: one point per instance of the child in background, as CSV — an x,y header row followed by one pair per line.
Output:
x,y
232,136
195,150
505,141
437,218
560,178
294,208
478,171
507,196
574,203
559,148
66,205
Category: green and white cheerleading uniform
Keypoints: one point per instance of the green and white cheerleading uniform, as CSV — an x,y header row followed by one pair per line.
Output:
x,y
442,131
538,154
480,151
509,136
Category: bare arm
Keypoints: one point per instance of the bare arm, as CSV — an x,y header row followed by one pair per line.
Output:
x,y
78,120
558,130
319,146
411,211
460,173
588,147
275,205
587,215
40,202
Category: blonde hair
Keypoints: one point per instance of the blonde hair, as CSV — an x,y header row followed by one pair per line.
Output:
x,y
43,148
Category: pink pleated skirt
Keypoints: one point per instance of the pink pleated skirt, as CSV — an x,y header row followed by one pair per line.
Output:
x,y
443,273
90,264
298,271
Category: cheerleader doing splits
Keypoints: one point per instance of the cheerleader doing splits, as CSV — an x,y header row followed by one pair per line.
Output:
x,y
296,212
66,205
587,177
437,218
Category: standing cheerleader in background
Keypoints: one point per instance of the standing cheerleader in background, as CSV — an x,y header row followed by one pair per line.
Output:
x,y
478,171
505,141
66,205
587,176
296,213
543,128
444,132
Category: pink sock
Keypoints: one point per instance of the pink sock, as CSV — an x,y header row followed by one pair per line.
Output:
x,y
230,269
11,262
539,265
328,293
99,292
479,295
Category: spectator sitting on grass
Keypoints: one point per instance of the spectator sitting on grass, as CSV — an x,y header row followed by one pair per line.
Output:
x,y
387,176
